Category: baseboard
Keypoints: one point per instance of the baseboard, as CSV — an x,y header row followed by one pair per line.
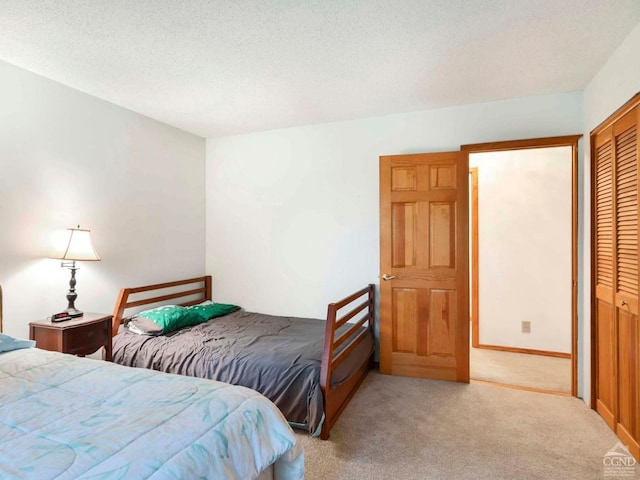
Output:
x,y
518,387
524,350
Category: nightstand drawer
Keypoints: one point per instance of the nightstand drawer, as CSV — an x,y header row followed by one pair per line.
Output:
x,y
87,339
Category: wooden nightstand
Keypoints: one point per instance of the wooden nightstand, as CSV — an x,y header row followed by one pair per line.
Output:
x,y
80,336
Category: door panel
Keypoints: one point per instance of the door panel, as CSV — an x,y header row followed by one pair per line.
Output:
x,y
424,310
628,377
441,329
442,234
607,360
403,218
405,320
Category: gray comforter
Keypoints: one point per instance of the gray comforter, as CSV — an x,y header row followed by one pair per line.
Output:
x,y
277,356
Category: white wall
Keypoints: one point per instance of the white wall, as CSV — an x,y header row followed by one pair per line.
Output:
x,y
292,214
616,82
67,158
524,202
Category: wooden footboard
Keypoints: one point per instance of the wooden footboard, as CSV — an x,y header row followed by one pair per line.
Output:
x,y
336,350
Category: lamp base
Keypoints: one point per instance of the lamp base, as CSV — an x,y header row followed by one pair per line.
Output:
x,y
73,313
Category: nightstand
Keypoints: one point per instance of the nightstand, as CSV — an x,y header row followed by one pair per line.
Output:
x,y
79,336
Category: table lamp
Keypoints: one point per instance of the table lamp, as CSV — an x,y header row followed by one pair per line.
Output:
x,y
78,247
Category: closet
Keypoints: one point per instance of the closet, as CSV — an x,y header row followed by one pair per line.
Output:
x,y
616,341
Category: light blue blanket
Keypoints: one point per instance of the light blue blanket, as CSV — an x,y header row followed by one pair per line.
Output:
x,y
63,417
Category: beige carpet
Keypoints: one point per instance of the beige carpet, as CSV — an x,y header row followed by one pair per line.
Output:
x,y
536,371
404,428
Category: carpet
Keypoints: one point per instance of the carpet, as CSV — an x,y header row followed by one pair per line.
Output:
x,y
406,428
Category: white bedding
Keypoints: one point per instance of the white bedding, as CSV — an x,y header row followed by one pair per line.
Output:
x,y
63,417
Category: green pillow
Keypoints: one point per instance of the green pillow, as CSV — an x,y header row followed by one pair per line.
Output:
x,y
172,317
213,310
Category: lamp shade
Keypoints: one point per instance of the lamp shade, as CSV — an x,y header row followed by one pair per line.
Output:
x,y
78,246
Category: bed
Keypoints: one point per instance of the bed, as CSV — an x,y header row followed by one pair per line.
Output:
x,y
309,368
66,417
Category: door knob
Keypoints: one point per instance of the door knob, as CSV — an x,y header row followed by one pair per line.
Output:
x,y
623,303
387,277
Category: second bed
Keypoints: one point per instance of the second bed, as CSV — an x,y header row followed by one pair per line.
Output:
x,y
309,368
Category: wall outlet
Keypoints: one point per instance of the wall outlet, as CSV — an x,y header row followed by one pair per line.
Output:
x,y
526,327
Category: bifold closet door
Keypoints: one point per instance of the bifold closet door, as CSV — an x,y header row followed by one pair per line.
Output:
x,y
616,273
606,394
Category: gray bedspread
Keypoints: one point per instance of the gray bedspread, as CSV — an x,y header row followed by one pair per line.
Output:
x,y
277,356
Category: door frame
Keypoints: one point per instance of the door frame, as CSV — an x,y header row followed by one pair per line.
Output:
x,y
563,141
474,290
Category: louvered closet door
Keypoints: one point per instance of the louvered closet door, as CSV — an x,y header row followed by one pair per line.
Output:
x,y
616,152
625,133
604,257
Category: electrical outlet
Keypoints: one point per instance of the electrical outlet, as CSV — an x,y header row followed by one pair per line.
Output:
x,y
526,327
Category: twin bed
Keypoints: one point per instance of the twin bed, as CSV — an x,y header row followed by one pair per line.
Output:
x,y
309,368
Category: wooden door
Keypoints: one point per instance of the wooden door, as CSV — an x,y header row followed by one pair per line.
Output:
x,y
424,254
616,218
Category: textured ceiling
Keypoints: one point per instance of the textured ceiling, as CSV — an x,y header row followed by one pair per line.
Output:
x,y
215,67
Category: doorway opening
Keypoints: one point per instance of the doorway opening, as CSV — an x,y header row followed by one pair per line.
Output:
x,y
523,263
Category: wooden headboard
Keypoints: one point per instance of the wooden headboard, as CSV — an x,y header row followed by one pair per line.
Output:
x,y
195,290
